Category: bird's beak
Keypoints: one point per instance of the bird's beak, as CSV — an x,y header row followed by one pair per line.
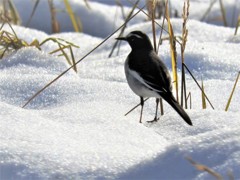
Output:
x,y
121,38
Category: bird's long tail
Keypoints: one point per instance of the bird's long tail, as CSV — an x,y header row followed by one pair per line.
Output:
x,y
172,101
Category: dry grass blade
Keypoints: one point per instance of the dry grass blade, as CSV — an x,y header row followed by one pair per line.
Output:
x,y
204,106
237,25
208,10
198,85
63,44
152,7
9,11
118,3
173,52
73,59
87,4
231,95
14,13
189,96
36,44
183,46
234,11
10,42
59,40
62,49
156,23
32,13
230,175
202,167
71,14
161,32
79,22
55,24
135,107
223,13
64,72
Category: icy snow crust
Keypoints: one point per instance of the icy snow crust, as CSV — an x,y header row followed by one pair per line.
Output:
x,y
76,129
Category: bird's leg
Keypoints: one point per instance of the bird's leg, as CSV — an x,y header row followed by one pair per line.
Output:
x,y
156,112
157,102
142,103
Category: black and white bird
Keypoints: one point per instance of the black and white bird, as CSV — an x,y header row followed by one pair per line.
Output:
x,y
147,75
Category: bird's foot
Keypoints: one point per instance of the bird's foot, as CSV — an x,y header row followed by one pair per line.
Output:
x,y
154,120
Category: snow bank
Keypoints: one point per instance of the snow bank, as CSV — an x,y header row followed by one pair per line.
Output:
x,y
76,129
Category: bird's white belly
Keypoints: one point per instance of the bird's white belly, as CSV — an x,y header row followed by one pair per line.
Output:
x,y
137,84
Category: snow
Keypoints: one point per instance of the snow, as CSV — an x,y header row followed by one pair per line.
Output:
x,y
76,128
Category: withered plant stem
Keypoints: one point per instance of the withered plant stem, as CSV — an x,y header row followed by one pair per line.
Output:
x,y
198,85
189,96
135,107
202,167
183,45
156,23
231,95
223,13
33,12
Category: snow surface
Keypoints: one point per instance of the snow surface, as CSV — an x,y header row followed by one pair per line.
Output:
x,y
76,129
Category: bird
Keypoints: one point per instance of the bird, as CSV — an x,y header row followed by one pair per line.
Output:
x,y
147,75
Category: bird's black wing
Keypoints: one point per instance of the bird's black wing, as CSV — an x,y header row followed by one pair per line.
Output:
x,y
153,71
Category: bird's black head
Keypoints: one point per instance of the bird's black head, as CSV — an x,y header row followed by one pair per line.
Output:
x,y
137,40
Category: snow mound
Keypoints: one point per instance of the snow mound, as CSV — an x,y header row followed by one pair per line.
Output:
x,y
76,128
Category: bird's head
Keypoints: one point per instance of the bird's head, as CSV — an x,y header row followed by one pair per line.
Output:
x,y
137,40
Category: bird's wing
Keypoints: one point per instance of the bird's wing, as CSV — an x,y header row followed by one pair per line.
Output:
x,y
156,74
148,81
153,83
151,70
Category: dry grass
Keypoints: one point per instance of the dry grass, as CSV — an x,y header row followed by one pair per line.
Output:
x,y
231,95
237,25
152,9
9,11
158,11
201,167
223,17
223,11
54,21
10,42
189,96
63,47
185,15
33,12
185,66
214,174
208,10
204,105
123,28
76,22
173,51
